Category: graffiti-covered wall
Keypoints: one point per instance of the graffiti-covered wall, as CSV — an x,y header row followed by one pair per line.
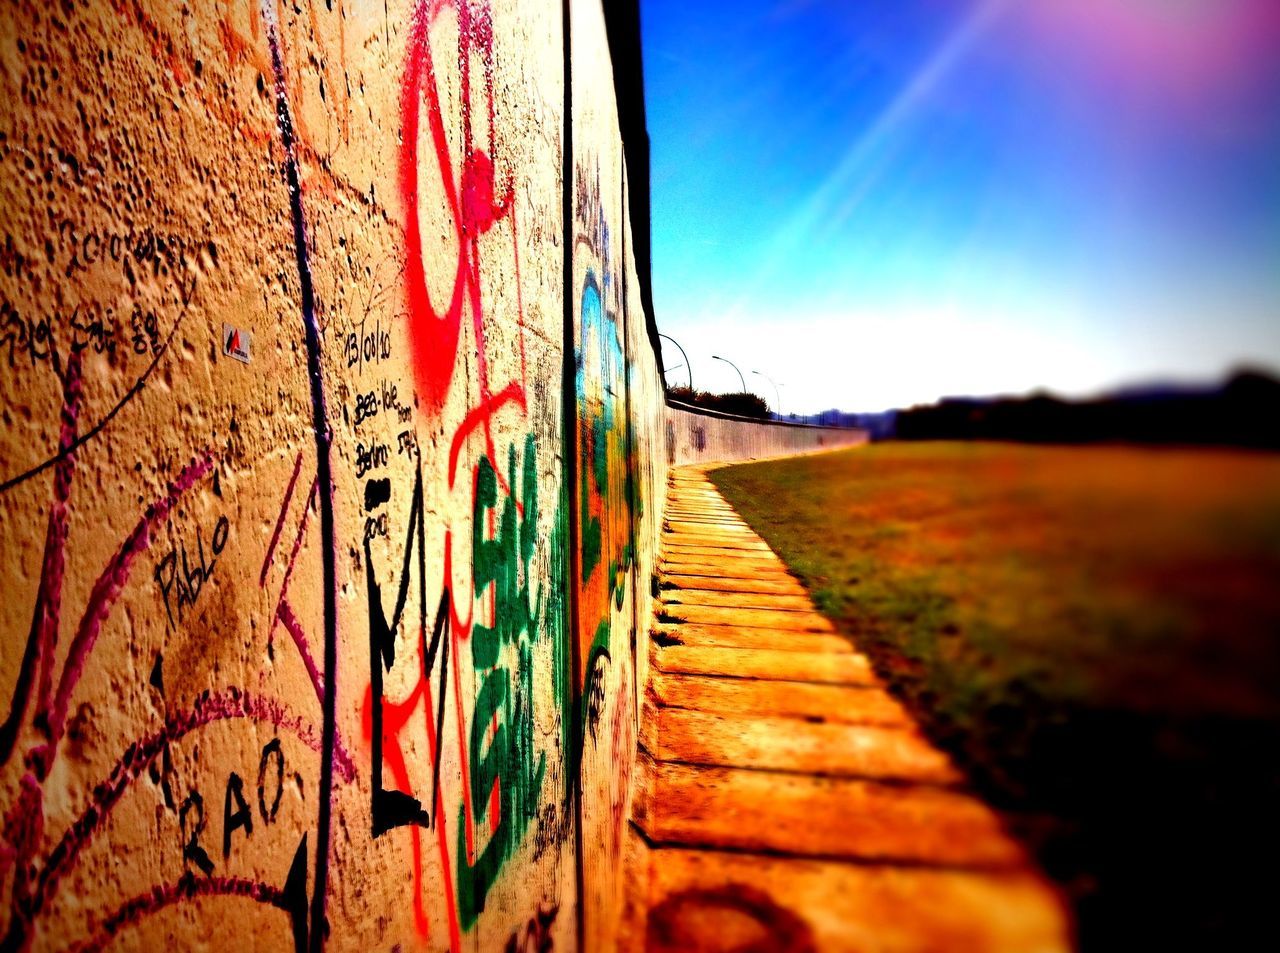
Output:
x,y
697,435
331,449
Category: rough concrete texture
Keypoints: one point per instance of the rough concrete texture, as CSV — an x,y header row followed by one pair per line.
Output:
x,y
704,436
785,801
331,465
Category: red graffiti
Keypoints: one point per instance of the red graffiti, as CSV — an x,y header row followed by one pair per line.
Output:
x,y
476,204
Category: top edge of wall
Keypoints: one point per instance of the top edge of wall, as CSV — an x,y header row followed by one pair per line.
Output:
x,y
709,412
622,26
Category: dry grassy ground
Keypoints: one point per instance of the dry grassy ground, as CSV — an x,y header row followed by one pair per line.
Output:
x,y
1094,632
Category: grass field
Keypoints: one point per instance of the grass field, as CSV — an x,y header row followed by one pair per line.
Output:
x,y
1093,632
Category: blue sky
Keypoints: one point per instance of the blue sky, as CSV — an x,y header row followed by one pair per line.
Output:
x,y
881,203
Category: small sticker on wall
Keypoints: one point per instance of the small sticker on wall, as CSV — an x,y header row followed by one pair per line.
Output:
x,y
235,343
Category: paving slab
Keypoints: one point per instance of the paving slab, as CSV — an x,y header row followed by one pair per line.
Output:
x,y
701,505
796,620
680,527
722,541
842,704
710,523
743,600
681,564
773,664
727,554
791,744
779,812
784,586
712,900
725,546
748,637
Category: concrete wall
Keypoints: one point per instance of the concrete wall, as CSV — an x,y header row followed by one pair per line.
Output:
x,y
331,466
701,436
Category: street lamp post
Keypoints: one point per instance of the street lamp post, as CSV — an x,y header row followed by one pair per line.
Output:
x,y
776,395
687,366
716,357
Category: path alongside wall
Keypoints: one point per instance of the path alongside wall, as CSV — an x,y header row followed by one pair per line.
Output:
x,y
331,464
787,801
703,436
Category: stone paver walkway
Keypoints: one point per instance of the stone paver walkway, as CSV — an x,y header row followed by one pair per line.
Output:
x,y
786,801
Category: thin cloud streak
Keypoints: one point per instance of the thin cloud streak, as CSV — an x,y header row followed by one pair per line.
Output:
x,y
858,170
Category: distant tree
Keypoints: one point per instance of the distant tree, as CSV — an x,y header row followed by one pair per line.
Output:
x,y
1243,411
741,404
685,395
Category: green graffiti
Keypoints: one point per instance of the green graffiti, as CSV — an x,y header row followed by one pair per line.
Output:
x,y
508,759
558,626
503,560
